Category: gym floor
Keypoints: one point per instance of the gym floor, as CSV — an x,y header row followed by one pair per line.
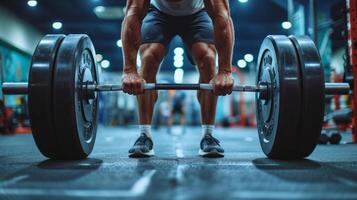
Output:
x,y
177,172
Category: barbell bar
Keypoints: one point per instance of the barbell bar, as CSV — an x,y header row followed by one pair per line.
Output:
x,y
10,88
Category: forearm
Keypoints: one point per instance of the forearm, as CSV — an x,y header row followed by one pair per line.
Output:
x,y
131,41
224,41
131,32
223,31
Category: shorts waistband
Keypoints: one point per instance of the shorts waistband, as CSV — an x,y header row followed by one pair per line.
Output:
x,y
183,16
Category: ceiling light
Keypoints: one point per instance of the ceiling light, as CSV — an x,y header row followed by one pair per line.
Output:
x,y
178,64
178,57
286,25
57,25
248,57
243,1
105,64
120,43
32,3
241,63
109,12
99,9
179,51
99,57
178,77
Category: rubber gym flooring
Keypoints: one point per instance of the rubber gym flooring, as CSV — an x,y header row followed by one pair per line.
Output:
x,y
177,172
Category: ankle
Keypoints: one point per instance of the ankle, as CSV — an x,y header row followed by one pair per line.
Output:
x,y
145,129
207,129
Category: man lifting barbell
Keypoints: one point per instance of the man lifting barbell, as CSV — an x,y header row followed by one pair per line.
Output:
x,y
64,82
205,26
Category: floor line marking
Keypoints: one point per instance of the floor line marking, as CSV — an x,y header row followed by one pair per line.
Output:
x,y
248,139
346,181
223,163
242,164
13,180
179,153
293,195
139,188
109,139
178,149
179,172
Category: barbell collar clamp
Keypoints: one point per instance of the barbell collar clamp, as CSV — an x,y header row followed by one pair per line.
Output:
x,y
15,88
337,88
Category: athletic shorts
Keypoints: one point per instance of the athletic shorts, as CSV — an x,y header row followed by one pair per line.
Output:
x,y
159,27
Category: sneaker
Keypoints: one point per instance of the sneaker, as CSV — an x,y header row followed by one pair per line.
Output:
x,y
142,148
210,147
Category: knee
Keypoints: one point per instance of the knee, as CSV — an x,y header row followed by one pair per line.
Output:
x,y
151,59
206,67
148,63
206,60
151,56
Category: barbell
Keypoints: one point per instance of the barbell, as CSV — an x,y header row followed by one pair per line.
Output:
x,y
63,102
13,88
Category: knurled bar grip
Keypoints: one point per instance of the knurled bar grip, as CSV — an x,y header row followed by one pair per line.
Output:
x,y
165,86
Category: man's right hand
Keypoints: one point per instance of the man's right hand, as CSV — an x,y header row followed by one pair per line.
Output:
x,y
133,83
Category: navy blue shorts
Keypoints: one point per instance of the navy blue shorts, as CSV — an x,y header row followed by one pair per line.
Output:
x,y
159,27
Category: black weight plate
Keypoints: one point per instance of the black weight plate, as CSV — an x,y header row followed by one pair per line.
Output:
x,y
75,117
313,94
40,94
278,117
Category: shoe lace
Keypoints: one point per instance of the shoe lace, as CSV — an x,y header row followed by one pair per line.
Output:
x,y
141,140
210,140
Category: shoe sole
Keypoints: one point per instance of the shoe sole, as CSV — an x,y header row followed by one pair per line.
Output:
x,y
211,154
140,154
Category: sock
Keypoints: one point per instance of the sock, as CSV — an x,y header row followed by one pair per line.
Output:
x,y
146,129
207,130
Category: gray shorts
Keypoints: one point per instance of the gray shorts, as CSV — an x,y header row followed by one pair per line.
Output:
x,y
159,27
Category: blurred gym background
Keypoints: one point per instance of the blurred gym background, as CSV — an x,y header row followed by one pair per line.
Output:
x,y
24,22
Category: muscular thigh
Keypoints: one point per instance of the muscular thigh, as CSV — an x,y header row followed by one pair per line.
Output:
x,y
204,55
151,56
